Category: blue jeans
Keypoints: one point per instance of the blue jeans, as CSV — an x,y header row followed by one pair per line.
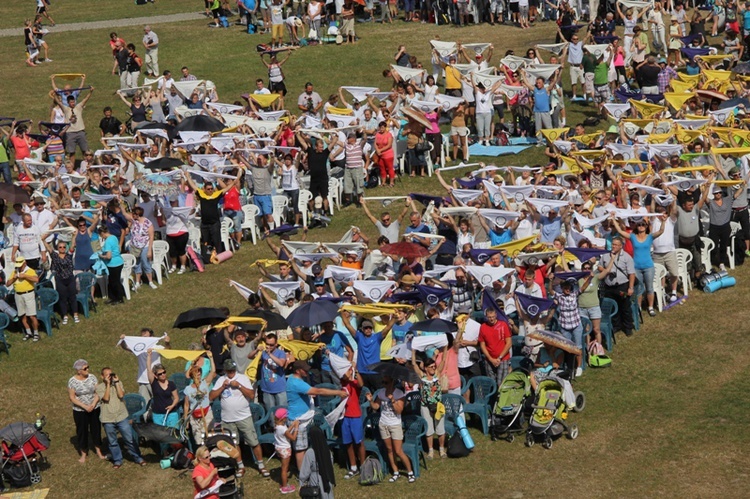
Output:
x,y
126,431
5,170
576,334
274,400
646,276
143,264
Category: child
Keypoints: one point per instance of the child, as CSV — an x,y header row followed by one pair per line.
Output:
x,y
431,392
352,433
277,24
282,438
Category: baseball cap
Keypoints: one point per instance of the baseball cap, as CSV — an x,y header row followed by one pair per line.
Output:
x,y
316,268
281,413
349,289
319,282
20,261
230,365
366,324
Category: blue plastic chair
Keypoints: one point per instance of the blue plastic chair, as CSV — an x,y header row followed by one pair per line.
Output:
x,y
609,310
517,342
267,437
482,389
86,281
259,417
373,445
181,382
588,328
639,291
136,406
216,409
327,402
4,321
47,298
454,407
415,428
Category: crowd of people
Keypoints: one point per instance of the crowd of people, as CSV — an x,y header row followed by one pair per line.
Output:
x,y
632,214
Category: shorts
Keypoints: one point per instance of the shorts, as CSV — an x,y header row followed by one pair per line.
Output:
x,y
591,313
277,87
283,452
264,204
347,27
245,429
301,443
461,131
351,431
576,75
237,218
433,428
171,420
588,83
41,9
514,7
496,7
463,8
277,31
26,304
394,432
669,260
318,188
523,11
601,93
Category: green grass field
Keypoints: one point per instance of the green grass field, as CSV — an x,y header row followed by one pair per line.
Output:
x,y
666,420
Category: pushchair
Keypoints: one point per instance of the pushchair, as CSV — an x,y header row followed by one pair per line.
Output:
x,y
550,413
166,437
508,415
226,465
22,445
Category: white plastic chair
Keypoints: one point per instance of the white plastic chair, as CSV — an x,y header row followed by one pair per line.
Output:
x,y
161,260
126,277
708,247
735,227
226,227
305,197
684,258
334,193
194,237
8,264
251,212
10,235
660,272
280,204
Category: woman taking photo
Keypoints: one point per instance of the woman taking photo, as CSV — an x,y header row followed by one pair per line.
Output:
x,y
65,281
317,465
642,241
141,246
82,393
165,397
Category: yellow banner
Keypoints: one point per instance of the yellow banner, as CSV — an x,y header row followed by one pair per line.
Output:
x,y
689,78
716,74
188,355
659,138
646,109
640,123
265,100
515,247
636,176
682,86
685,136
252,369
685,169
712,59
269,262
552,134
731,150
677,100
727,182
589,153
341,111
587,138
571,163
241,320
572,171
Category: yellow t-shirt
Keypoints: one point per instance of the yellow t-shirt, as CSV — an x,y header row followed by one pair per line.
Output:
x,y
22,285
452,78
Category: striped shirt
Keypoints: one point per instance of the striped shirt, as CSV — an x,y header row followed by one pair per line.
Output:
x,y
354,157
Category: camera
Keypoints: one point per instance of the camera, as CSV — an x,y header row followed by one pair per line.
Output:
x,y
112,378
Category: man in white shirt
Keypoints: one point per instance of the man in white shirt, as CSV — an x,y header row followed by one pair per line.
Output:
x,y
665,252
151,44
260,88
28,243
525,226
43,219
236,392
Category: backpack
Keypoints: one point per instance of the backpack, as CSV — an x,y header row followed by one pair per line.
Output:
x,y
371,472
182,459
224,21
456,446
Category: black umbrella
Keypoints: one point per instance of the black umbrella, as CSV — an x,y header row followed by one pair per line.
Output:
x,y
13,194
197,317
198,123
273,320
396,371
735,102
743,68
19,433
435,326
153,125
164,163
313,313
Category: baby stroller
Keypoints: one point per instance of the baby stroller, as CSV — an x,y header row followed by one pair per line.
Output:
x,y
166,437
550,413
507,417
216,441
22,445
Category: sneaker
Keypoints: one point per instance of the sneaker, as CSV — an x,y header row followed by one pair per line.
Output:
x,y
65,321
48,60
152,285
722,268
182,270
172,269
136,286
431,454
652,312
747,252
673,298
36,337
579,371
443,454
76,319
289,489
351,474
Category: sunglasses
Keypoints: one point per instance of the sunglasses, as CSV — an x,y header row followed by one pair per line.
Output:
x,y
161,373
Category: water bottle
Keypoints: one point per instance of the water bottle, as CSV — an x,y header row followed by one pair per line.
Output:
x,y
39,423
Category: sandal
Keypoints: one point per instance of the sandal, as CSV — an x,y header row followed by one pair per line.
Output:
x,y
351,474
117,466
411,478
394,477
265,473
240,472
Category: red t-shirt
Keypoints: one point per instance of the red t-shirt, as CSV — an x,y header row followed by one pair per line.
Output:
x,y
494,338
352,410
22,148
201,472
232,200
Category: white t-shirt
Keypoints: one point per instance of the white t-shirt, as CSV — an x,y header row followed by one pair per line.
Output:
x,y
665,242
234,406
525,229
280,441
29,242
388,416
484,103
471,333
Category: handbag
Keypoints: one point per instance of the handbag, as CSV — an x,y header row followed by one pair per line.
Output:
x,y
310,491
